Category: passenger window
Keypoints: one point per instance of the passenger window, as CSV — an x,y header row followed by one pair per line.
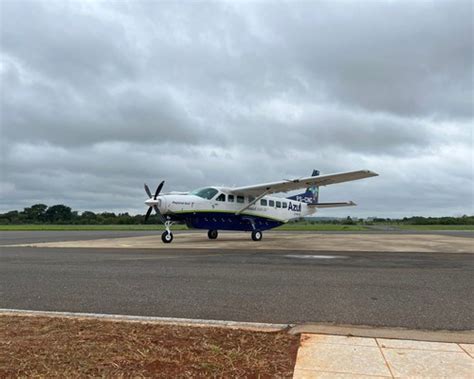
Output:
x,y
278,204
240,199
271,203
263,202
230,198
221,197
284,205
251,198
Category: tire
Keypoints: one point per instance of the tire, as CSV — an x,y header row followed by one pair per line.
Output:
x,y
212,234
167,237
257,235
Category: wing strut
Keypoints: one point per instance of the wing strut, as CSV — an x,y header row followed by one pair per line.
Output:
x,y
252,202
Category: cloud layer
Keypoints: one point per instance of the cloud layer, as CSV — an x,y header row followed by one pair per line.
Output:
x,y
98,97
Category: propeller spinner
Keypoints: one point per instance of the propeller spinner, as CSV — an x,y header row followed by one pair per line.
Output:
x,y
153,203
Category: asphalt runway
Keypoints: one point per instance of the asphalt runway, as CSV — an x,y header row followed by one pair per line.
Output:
x,y
413,290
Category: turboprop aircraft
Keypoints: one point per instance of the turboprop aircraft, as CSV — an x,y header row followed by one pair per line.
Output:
x,y
249,208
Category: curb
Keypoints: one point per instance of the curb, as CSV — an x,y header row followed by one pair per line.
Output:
x,y
465,336
252,326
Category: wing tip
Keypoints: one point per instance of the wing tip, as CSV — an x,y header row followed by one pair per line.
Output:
x,y
371,173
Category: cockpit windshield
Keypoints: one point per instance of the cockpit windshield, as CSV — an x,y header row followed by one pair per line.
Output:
x,y
206,193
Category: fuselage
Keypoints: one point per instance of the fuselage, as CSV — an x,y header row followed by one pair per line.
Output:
x,y
219,209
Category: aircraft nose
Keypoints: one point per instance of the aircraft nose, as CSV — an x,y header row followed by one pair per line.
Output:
x,y
152,202
159,202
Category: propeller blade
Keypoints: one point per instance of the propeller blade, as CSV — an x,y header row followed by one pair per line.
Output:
x,y
148,213
158,190
160,216
147,190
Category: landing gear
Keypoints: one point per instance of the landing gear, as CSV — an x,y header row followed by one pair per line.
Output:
x,y
167,236
257,235
212,234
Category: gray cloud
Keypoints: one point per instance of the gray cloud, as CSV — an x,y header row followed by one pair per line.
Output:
x,y
98,97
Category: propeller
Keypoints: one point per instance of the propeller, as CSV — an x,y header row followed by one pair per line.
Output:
x,y
157,192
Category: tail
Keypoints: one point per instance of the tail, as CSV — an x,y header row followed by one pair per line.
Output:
x,y
311,195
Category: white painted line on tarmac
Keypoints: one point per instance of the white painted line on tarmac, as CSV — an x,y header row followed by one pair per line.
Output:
x,y
307,256
256,326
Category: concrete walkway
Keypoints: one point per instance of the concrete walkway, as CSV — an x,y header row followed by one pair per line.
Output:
x,y
330,356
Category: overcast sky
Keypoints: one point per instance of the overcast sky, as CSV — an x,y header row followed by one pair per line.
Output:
x,y
99,97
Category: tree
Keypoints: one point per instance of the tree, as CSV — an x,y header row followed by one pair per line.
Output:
x,y
35,213
348,221
58,213
88,217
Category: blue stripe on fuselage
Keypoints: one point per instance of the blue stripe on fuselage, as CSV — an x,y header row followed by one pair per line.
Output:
x,y
225,221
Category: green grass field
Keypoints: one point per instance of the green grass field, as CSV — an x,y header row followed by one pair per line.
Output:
x,y
321,227
28,227
286,227
435,227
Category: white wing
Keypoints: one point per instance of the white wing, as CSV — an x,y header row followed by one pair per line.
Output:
x,y
290,185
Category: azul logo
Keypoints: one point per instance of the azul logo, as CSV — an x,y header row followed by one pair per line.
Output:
x,y
294,207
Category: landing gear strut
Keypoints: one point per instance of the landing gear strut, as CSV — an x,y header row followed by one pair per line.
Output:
x,y
212,234
257,235
167,236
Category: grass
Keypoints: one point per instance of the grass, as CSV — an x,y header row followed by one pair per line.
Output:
x,y
50,227
286,227
320,227
435,227
302,226
55,347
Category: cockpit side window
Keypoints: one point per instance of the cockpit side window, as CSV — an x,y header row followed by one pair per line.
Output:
x,y
221,197
205,193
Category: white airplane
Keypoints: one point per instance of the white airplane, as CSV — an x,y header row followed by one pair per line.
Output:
x,y
249,208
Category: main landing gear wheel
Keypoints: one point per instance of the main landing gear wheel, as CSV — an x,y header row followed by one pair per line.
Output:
x,y
257,235
167,237
212,234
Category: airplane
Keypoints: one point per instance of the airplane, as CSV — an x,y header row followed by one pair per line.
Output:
x,y
250,208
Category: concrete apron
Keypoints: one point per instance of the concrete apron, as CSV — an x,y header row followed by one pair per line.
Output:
x,y
428,243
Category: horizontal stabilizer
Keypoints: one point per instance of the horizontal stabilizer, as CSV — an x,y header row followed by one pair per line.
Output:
x,y
333,205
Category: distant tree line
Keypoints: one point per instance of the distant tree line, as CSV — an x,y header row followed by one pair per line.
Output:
x,y
62,214
415,220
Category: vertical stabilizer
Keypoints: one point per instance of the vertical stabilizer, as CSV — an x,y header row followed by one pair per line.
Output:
x,y
311,195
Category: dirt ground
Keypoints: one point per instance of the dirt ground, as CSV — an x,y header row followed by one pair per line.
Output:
x,y
63,347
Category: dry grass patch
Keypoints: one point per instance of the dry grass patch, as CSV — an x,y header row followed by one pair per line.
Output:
x,y
65,347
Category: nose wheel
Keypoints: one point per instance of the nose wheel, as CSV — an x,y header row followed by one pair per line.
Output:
x,y
167,236
257,235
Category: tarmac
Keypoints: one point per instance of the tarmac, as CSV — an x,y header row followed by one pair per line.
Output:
x,y
440,243
415,281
